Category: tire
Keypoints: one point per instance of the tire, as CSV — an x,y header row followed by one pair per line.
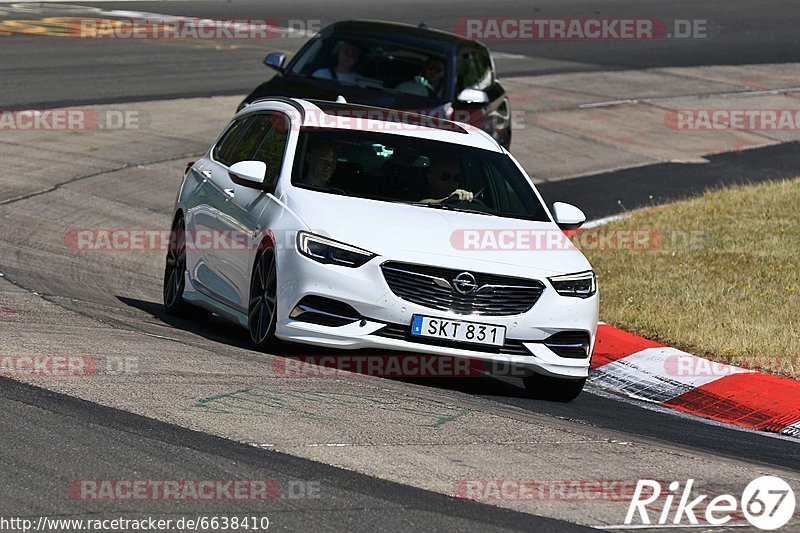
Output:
x,y
553,389
175,276
262,308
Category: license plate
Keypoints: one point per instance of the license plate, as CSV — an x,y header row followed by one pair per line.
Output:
x,y
457,330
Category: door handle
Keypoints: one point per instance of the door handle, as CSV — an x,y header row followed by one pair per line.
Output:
x,y
229,192
206,173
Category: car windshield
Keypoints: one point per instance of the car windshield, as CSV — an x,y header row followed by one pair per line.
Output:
x,y
421,172
376,64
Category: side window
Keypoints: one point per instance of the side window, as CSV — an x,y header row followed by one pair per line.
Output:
x,y
273,144
260,137
246,144
474,69
224,148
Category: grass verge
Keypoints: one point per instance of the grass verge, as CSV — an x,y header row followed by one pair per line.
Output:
x,y
717,276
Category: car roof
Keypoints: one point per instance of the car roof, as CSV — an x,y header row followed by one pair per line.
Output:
x,y
432,39
341,115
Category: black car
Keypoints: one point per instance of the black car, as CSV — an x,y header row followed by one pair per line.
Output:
x,y
395,66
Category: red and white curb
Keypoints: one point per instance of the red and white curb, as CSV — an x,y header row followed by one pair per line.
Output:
x,y
643,369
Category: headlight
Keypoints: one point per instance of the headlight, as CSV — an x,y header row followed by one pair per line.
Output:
x,y
580,285
330,252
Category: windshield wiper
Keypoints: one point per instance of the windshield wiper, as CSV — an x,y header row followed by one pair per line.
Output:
x,y
449,207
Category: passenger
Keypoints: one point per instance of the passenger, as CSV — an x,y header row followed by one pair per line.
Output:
x,y
347,58
444,181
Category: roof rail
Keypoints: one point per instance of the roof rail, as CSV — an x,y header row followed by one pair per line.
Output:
x,y
283,99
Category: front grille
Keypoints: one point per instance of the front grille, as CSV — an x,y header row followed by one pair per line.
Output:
x,y
430,286
401,332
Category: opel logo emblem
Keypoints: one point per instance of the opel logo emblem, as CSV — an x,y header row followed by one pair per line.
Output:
x,y
465,283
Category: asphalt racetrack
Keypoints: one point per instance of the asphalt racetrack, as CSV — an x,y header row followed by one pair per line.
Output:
x,y
180,417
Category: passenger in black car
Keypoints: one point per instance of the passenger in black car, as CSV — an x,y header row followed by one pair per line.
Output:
x,y
347,57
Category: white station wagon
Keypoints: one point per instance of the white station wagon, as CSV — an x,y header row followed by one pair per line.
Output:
x,y
353,227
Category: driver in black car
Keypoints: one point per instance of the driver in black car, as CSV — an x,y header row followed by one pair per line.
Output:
x,y
430,82
444,180
433,74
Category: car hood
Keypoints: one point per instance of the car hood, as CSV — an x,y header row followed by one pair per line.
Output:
x,y
439,237
309,88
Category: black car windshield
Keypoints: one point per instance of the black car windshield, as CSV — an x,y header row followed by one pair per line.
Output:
x,y
376,64
421,172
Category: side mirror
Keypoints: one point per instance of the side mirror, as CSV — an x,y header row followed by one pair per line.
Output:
x,y
472,97
568,216
275,60
248,173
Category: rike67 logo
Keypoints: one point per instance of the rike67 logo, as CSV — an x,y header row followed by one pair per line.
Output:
x,y
767,503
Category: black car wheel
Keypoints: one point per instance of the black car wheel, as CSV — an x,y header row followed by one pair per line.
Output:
x,y
263,300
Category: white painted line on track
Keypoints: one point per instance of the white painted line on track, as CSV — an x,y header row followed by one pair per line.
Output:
x,y
506,55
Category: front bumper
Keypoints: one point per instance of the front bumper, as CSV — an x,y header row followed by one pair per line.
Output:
x,y
385,315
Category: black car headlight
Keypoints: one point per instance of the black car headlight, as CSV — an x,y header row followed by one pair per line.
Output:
x,y
579,285
330,252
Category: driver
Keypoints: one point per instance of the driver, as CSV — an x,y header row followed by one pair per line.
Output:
x,y
321,160
433,73
430,82
443,182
